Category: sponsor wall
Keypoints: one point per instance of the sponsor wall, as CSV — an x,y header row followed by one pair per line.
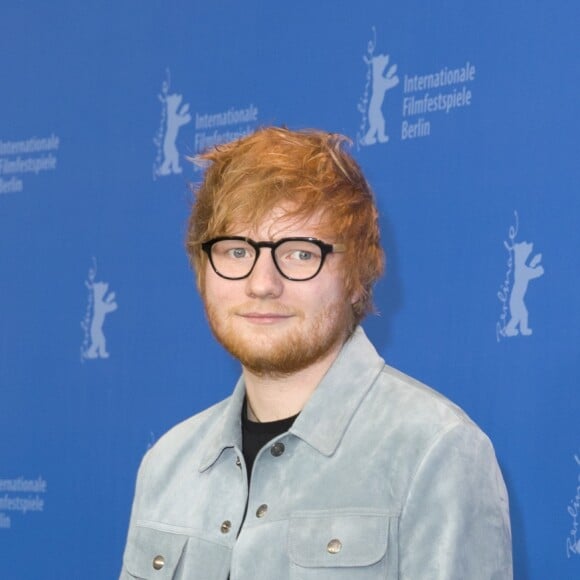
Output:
x,y
464,118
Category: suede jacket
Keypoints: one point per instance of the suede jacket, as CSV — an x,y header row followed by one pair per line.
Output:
x,y
379,477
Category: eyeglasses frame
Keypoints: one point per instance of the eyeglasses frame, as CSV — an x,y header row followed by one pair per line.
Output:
x,y
325,249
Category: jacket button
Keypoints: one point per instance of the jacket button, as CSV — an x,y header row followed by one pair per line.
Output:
x,y
226,527
238,462
277,449
334,546
158,562
261,511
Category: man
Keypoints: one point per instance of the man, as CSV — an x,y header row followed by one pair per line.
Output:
x,y
324,463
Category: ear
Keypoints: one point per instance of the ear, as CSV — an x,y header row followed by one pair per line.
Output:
x,y
356,296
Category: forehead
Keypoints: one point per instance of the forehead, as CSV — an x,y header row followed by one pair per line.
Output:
x,y
282,222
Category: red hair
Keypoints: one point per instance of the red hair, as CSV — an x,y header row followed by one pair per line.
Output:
x,y
307,171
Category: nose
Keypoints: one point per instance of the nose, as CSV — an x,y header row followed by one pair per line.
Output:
x,y
265,281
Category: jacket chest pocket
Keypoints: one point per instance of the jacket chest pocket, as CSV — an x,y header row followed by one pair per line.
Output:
x,y
154,554
338,546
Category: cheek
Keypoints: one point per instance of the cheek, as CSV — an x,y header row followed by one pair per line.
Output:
x,y
219,291
337,283
330,291
210,285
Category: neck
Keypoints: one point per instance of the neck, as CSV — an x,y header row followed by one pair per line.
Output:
x,y
274,397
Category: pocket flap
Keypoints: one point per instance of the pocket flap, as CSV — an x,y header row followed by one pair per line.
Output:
x,y
153,553
327,540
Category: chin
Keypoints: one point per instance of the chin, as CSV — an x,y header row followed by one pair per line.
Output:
x,y
280,348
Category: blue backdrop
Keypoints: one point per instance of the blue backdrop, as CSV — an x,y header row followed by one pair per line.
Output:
x,y
464,118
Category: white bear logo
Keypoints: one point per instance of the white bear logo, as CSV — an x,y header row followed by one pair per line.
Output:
x,y
100,303
380,79
381,84
520,271
523,273
173,116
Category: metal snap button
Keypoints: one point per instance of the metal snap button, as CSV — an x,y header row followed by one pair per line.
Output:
x,y
277,449
334,546
261,511
226,526
158,562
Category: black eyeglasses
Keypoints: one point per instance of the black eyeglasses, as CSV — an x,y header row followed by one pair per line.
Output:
x,y
298,259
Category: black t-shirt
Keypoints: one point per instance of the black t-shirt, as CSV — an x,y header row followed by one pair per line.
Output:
x,y
256,435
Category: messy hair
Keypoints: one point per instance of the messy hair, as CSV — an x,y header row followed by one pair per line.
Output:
x,y
305,172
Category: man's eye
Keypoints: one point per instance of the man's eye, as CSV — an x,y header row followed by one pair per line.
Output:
x,y
238,253
302,255
298,256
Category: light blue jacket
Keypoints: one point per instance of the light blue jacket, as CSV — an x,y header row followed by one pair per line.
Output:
x,y
380,477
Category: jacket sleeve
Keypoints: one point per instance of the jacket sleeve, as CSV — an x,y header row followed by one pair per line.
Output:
x,y
455,522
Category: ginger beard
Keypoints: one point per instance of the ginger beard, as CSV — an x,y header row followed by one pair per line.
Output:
x,y
268,351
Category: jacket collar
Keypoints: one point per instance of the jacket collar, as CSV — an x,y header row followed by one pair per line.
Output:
x,y
327,413
329,410
226,430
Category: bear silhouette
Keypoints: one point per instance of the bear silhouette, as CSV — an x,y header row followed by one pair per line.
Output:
x,y
380,85
102,305
523,273
176,118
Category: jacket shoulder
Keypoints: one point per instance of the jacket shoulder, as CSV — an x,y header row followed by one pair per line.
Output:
x,y
416,411
187,434
415,393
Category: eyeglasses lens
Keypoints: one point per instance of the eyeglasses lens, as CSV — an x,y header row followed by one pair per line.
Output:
x,y
298,260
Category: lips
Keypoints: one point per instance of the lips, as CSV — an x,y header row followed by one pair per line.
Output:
x,y
265,317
